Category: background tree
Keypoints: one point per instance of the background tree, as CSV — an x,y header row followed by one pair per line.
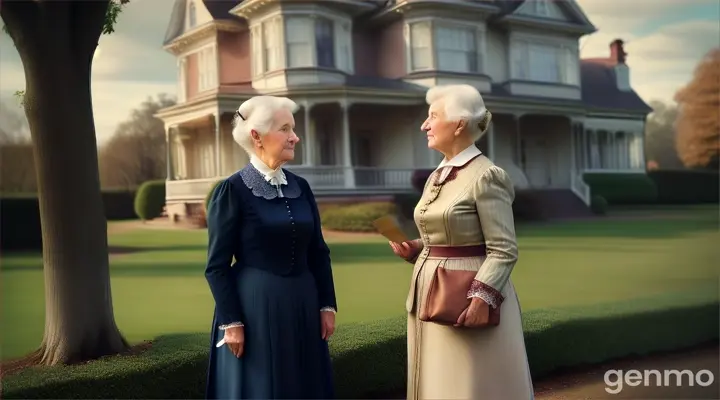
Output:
x,y
698,124
660,136
136,152
56,41
17,169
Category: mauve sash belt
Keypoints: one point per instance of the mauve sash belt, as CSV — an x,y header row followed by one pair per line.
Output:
x,y
457,251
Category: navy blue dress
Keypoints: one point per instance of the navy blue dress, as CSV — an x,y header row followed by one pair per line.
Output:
x,y
276,288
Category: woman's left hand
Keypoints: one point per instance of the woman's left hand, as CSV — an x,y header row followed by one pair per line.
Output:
x,y
327,322
476,315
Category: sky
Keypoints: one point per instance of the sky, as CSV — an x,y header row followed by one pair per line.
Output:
x,y
665,39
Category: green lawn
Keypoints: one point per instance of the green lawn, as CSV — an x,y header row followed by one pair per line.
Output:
x,y
159,288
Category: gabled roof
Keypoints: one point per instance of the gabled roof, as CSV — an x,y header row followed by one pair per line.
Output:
x,y
599,88
572,10
218,9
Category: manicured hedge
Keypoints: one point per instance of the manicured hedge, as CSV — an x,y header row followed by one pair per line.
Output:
x,y
20,217
686,186
369,359
621,189
657,187
356,217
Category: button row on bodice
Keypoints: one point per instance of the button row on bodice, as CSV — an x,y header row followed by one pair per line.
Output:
x,y
292,223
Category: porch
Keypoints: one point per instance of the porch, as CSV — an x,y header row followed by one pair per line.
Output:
x,y
345,149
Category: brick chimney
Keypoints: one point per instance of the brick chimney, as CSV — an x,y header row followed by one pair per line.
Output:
x,y
622,72
617,51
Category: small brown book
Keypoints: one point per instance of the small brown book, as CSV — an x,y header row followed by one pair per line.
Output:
x,y
389,227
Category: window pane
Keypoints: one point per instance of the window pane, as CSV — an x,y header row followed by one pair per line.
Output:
x,y
456,49
544,62
271,41
324,40
420,41
298,33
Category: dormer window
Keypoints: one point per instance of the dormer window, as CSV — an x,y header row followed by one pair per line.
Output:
x,y
551,63
192,16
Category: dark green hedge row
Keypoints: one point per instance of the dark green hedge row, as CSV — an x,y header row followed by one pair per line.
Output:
x,y
20,222
369,359
656,187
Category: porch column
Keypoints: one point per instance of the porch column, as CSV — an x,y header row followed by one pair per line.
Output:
x,y
309,148
218,163
518,141
346,145
168,152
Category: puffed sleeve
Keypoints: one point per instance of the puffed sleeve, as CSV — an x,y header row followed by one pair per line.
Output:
x,y
223,221
319,258
494,195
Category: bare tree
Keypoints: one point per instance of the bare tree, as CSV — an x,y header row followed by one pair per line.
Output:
x,y
698,124
56,40
136,152
660,136
17,168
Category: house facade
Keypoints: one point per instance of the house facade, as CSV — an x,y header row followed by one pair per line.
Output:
x,y
360,70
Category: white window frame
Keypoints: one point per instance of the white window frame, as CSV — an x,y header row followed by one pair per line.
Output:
x,y
434,25
207,68
292,40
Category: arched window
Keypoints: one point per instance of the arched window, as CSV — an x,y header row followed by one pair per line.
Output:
x,y
192,16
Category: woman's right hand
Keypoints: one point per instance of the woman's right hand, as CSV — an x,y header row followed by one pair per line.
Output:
x,y
404,250
235,340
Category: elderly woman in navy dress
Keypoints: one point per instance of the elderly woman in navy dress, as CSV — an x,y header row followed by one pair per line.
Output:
x,y
275,306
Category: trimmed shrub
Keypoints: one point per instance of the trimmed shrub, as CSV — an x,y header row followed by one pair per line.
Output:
x,y
622,189
20,227
369,358
527,206
356,217
150,199
686,186
598,205
119,204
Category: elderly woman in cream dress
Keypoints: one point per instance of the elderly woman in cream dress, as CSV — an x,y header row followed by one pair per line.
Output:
x,y
465,221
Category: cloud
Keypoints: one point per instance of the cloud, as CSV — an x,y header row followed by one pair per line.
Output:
x,y
661,55
128,66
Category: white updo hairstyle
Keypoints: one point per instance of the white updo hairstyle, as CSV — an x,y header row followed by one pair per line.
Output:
x,y
462,103
258,113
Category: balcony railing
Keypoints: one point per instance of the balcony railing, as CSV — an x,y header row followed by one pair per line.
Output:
x,y
320,178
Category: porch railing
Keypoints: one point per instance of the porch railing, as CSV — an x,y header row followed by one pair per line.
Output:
x,y
579,187
319,178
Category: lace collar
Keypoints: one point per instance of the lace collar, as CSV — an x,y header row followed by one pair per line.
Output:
x,y
261,187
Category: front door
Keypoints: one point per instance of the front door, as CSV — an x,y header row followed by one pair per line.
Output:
x,y
536,161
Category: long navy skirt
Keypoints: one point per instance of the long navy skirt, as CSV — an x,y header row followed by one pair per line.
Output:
x,y
284,356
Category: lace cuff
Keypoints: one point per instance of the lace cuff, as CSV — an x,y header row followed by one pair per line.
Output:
x,y
232,325
330,309
485,292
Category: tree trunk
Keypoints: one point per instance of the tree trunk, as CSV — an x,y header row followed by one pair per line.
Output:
x,y
79,320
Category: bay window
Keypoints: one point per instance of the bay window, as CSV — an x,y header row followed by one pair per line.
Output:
x,y
301,41
541,62
443,47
